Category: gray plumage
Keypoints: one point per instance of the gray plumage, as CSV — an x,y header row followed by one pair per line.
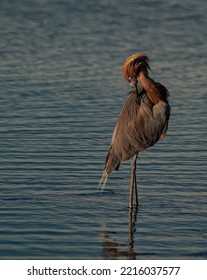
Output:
x,y
140,125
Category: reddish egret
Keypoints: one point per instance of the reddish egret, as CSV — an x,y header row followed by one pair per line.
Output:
x,y
142,122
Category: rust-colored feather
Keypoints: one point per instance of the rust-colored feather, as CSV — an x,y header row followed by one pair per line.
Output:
x,y
133,64
136,67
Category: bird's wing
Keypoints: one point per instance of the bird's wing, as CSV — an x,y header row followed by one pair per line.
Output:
x,y
161,114
140,125
127,137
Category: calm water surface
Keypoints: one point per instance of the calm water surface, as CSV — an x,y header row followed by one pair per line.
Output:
x,y
61,91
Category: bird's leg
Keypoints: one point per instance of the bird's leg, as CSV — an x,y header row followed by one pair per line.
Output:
x,y
135,186
131,192
133,196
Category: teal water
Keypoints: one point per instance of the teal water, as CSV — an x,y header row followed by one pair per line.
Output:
x,y
61,91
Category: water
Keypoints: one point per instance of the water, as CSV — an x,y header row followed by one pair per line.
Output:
x,y
61,91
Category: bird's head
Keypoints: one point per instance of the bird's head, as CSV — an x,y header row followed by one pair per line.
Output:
x,y
133,66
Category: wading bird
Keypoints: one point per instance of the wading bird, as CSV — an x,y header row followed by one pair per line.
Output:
x,y
142,122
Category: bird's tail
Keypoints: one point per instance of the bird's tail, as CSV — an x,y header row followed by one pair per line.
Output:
x,y
111,163
103,180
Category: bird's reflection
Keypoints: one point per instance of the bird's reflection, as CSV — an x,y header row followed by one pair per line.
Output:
x,y
115,250
131,230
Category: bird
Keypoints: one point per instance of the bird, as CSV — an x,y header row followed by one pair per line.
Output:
x,y
142,122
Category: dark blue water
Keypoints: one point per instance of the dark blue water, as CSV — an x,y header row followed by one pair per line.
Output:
x,y
61,91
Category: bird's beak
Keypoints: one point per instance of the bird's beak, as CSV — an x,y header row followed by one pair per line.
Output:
x,y
134,84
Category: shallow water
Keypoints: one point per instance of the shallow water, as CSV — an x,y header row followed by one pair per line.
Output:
x,y
61,91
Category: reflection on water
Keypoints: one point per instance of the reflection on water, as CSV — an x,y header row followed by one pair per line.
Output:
x,y
115,250
131,232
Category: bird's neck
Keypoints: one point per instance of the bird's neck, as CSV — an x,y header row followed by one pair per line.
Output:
x,y
152,90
